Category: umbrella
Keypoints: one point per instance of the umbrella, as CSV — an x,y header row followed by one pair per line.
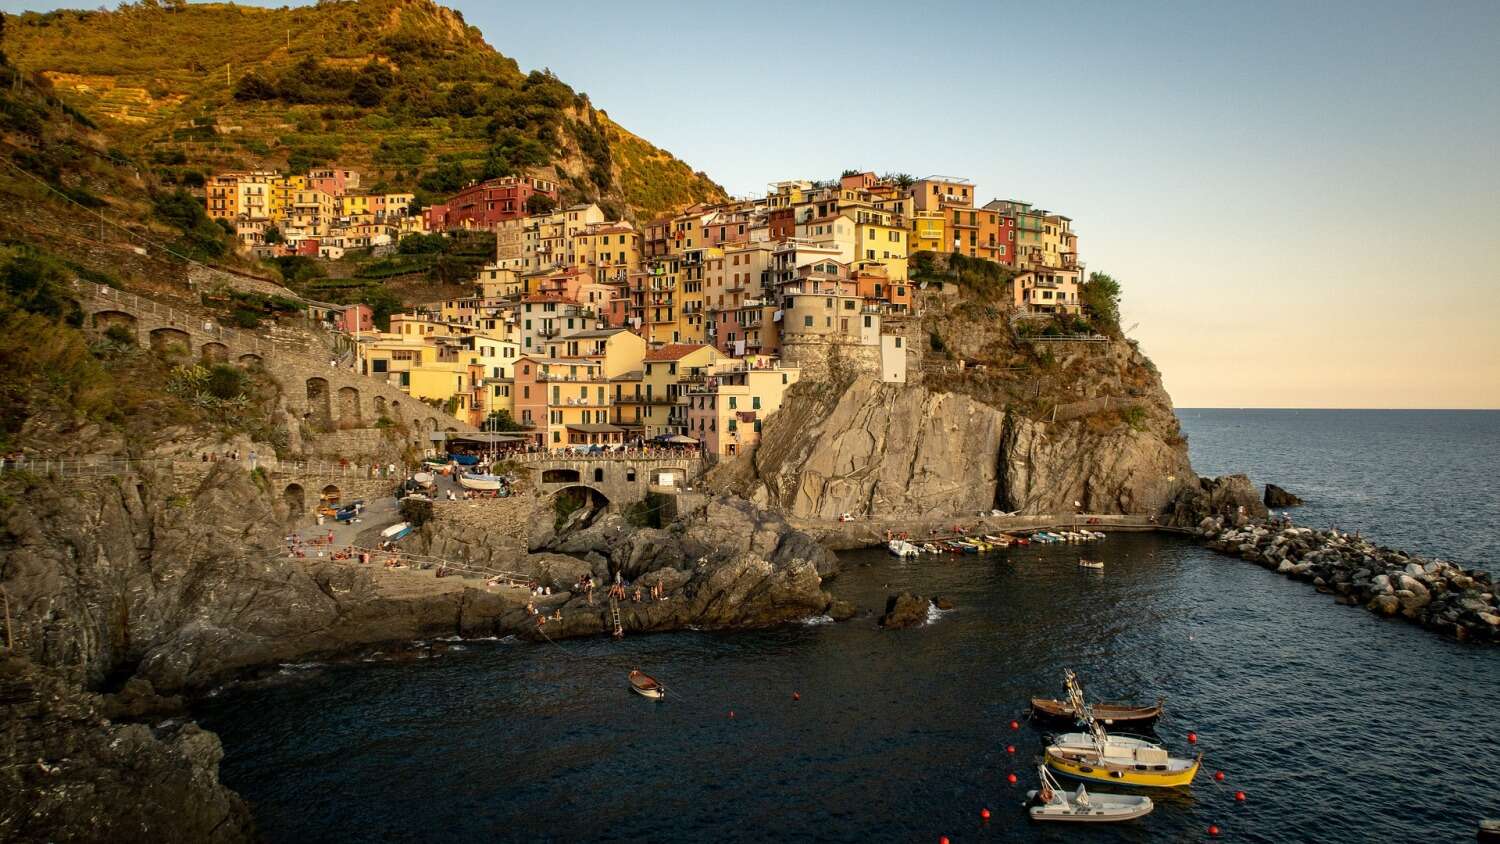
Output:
x,y
680,439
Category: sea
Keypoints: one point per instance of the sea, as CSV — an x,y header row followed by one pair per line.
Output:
x,y
1334,724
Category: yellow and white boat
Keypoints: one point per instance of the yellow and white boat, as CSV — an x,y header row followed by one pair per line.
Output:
x,y
1119,759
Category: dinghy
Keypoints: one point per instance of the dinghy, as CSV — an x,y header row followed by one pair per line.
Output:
x,y
646,686
902,548
1052,803
479,481
1091,564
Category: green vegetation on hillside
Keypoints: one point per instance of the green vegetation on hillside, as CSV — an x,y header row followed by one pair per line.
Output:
x,y
402,90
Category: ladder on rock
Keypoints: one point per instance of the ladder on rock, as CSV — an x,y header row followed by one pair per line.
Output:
x,y
614,614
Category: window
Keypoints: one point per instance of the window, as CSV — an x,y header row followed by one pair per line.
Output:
x,y
733,401
755,402
807,321
379,366
867,320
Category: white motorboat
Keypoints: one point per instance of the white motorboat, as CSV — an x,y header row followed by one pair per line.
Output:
x,y
479,481
902,548
1091,564
1052,803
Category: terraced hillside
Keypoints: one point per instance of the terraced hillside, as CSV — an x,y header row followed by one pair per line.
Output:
x,y
403,90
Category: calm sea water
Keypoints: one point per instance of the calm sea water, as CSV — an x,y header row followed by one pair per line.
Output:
x,y
1339,726
1426,481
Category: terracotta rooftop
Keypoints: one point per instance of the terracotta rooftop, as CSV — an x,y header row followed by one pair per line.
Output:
x,y
675,351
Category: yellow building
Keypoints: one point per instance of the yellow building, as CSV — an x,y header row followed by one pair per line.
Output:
x,y
617,350
928,231
881,239
355,205
725,410
665,370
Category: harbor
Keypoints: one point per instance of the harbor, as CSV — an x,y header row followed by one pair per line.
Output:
x,y
891,734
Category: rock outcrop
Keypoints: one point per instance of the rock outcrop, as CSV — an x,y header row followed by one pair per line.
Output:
x,y
1231,498
1277,497
904,610
69,774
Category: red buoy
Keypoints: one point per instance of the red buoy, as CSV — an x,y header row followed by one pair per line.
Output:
x,y
796,696
1015,725
1010,748
731,713
1219,775
984,813
1011,778
943,840
1240,796
1213,829
1192,738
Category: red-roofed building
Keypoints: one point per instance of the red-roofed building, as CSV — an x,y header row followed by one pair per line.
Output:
x,y
483,205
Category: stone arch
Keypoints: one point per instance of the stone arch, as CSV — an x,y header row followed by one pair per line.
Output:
x,y
430,424
250,359
318,409
295,498
330,495
171,342
214,352
396,412
560,476
349,416
379,405
105,320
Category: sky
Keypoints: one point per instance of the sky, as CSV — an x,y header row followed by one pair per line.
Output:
x,y
1300,200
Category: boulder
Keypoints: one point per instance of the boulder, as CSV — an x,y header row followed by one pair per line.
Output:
x,y
1385,604
1277,497
904,610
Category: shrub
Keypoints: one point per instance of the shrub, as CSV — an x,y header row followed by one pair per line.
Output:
x,y
120,335
415,511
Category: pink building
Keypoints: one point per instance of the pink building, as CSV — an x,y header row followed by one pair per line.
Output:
x,y
356,319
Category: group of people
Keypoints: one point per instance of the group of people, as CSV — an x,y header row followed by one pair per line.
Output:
x,y
541,615
298,548
655,592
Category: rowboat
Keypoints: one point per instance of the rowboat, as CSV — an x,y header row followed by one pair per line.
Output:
x,y
479,481
646,686
1091,564
1111,714
1052,803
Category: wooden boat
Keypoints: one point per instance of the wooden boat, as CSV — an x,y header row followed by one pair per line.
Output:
x,y
1110,714
646,686
479,481
1091,564
1052,803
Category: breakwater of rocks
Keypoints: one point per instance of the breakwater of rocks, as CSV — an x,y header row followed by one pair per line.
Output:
x,y
1436,594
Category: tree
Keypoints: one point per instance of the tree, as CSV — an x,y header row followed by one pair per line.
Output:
x,y
1101,299
501,420
374,80
463,100
273,235
253,86
539,203
383,302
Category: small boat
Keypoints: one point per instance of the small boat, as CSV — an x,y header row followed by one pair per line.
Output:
x,y
479,481
464,459
902,548
1489,831
423,479
929,548
1111,714
1052,803
646,686
1091,564
1020,540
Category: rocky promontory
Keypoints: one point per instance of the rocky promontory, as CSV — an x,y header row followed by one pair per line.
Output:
x,y
1433,593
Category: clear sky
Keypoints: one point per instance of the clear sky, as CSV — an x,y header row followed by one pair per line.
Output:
x,y
1301,200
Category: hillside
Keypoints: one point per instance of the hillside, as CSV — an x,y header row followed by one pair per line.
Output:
x,y
402,90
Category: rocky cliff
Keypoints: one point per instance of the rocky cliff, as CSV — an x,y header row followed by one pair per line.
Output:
x,y
68,773
971,442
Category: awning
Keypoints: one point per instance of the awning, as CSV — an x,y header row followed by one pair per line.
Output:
x,y
679,440
597,429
